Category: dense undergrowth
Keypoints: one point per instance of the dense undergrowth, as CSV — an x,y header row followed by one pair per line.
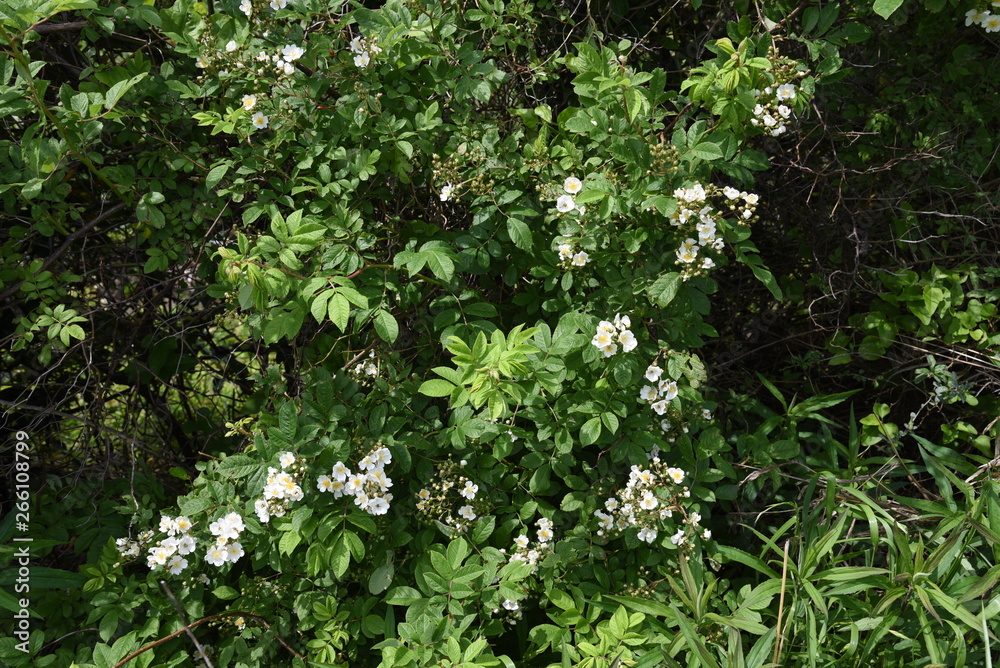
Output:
x,y
486,333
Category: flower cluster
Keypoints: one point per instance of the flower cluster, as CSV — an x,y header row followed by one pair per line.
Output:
x,y
280,490
369,485
227,546
363,51
523,549
693,205
984,18
367,368
771,110
439,502
571,257
661,392
610,334
566,203
650,499
131,548
170,551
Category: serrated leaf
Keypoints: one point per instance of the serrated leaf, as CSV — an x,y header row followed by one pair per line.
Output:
x,y
385,326
590,431
886,8
665,288
215,175
339,310
436,387
225,593
519,233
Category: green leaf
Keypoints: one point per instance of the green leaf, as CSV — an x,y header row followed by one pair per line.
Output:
x,y
385,326
590,431
225,593
115,92
436,387
707,151
519,233
381,578
215,175
340,311
664,289
886,8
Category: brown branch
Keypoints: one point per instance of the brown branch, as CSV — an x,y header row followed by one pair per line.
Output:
x,y
43,28
203,620
62,249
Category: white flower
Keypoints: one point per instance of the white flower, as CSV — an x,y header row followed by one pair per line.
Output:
x,y
991,23
610,350
611,504
168,525
249,102
603,339
678,538
278,4
572,185
292,52
545,534
185,545
647,534
240,623
660,407
467,513
231,45
204,579
357,45
648,393
565,251
201,62
446,191
288,69
565,204
378,506
784,111
676,474
362,59
379,477
176,565
340,472
707,263
687,253
653,373
217,556
246,7
470,490
669,389
324,483
382,457
694,519
521,541
286,459
785,92
511,605
648,501
751,198
730,192
424,494
259,120
628,341
580,259
706,414
234,551
260,506
707,534
355,483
